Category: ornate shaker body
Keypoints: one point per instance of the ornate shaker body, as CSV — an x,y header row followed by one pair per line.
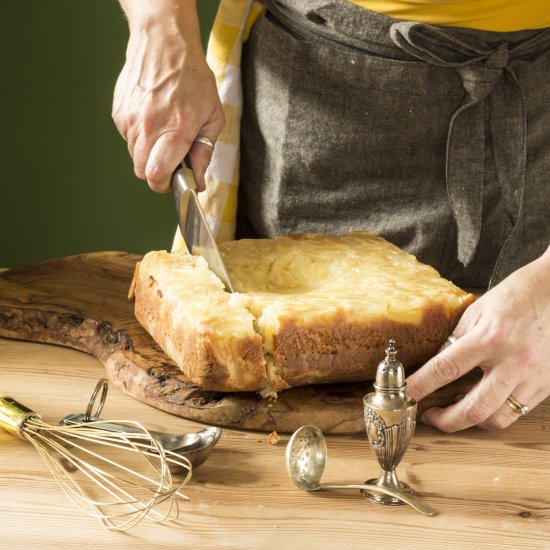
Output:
x,y
390,419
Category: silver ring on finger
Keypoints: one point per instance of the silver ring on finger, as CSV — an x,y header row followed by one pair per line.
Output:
x,y
206,141
451,339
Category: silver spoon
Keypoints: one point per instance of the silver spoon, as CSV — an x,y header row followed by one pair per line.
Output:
x,y
170,442
196,447
200,452
306,457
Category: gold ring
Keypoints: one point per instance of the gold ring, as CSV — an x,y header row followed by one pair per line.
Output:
x,y
206,141
516,406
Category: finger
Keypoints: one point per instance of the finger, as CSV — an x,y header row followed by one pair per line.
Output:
x,y
200,156
140,154
448,365
121,121
459,397
506,415
479,404
467,324
131,140
167,152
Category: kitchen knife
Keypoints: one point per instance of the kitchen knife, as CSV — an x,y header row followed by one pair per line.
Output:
x,y
193,225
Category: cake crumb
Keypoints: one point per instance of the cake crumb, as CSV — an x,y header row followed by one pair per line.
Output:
x,y
273,438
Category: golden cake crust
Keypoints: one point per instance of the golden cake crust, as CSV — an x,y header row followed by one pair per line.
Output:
x,y
341,351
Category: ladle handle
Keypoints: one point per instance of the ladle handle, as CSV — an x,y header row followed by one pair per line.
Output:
x,y
415,502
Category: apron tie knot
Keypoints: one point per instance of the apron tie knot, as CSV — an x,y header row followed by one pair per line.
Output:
x,y
479,79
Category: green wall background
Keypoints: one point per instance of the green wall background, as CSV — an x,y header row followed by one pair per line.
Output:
x,y
66,179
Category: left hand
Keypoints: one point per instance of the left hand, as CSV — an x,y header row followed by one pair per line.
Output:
x,y
506,333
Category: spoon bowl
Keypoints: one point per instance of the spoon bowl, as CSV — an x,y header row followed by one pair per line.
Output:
x,y
198,453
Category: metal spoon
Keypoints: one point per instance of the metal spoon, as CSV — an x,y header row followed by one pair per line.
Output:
x,y
196,447
170,442
306,456
200,452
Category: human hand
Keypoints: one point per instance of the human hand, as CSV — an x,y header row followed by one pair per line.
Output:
x,y
506,333
165,98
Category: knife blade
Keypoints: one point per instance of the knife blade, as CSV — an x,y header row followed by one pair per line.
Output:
x,y
193,225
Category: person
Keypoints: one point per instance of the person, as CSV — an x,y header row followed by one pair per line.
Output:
x,y
425,122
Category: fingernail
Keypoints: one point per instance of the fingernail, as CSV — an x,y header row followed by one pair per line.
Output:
x,y
201,185
413,395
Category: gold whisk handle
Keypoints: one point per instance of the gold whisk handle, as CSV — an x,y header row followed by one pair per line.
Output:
x,y
13,415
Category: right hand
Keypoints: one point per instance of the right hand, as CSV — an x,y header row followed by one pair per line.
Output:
x,y
164,98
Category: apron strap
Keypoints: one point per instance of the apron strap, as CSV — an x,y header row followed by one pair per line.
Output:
x,y
480,70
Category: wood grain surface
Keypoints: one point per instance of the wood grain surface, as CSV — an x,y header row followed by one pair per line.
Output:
x,y
490,488
81,302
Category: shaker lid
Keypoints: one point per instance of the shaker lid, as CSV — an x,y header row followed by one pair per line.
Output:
x,y
390,374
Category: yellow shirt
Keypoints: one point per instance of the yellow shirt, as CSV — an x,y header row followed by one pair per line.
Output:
x,y
488,15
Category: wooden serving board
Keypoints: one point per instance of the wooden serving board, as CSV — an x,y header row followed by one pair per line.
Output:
x,y
81,302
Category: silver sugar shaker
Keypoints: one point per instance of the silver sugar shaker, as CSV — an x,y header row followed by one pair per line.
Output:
x,y
390,419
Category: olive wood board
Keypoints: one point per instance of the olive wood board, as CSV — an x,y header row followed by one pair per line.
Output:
x,y
81,302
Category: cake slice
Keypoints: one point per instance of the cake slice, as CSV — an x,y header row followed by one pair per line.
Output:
x,y
308,309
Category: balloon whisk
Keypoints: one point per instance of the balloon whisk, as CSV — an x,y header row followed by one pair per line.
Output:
x,y
118,477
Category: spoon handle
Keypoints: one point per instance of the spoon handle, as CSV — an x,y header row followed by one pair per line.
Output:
x,y
415,502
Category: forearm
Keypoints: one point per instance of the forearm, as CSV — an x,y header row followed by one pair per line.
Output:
x,y
174,20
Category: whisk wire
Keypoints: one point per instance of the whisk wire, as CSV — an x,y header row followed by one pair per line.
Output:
x,y
64,441
165,473
135,513
165,470
144,449
112,438
65,481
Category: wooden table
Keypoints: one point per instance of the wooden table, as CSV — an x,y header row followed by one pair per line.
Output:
x,y
490,488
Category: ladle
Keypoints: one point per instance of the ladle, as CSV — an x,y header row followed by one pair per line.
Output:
x,y
306,457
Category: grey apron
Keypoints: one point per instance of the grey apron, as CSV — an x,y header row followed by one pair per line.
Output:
x,y
436,138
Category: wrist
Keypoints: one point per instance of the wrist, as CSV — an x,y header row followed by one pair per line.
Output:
x,y
172,22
